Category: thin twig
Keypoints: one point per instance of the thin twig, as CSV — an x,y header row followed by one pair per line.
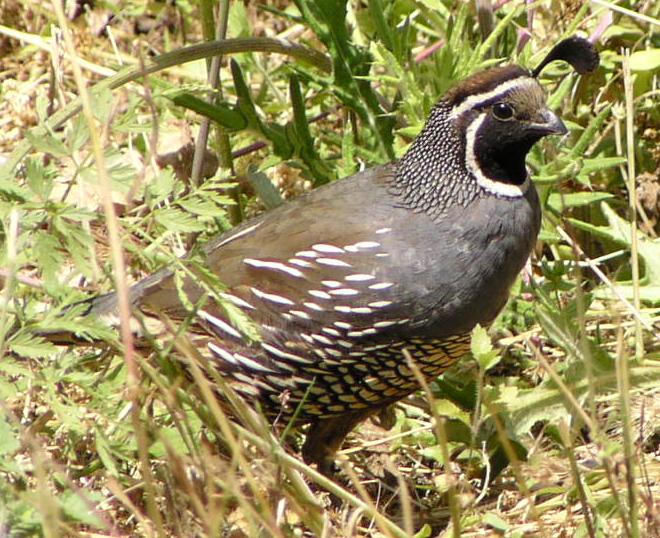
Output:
x,y
216,93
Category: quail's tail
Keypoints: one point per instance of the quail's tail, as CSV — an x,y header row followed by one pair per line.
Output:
x,y
97,315
68,328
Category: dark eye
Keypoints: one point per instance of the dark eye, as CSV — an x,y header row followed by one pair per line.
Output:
x,y
502,111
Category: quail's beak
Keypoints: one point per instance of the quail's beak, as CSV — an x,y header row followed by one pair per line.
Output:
x,y
548,123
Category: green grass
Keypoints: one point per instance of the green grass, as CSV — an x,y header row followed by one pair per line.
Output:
x,y
550,426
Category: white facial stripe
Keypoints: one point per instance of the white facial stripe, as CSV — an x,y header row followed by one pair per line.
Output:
x,y
496,187
521,83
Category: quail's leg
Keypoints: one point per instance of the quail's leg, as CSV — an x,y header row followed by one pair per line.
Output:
x,y
385,418
325,436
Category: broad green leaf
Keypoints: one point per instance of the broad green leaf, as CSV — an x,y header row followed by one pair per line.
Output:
x,y
649,249
168,438
7,390
560,201
221,113
480,343
267,192
239,21
449,409
645,60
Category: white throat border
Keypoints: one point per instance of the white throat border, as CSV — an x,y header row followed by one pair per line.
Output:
x,y
499,188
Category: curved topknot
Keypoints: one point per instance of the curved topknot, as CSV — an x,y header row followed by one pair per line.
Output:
x,y
576,51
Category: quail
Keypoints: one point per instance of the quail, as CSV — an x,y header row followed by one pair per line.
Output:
x,y
398,262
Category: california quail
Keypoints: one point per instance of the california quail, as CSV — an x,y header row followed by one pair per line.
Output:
x,y
405,256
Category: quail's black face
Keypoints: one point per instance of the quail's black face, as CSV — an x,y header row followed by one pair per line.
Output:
x,y
507,129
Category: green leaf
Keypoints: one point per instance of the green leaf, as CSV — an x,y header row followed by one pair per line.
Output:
x,y
590,133
203,207
239,21
302,138
48,254
48,144
221,113
9,188
274,133
175,220
78,135
267,192
85,327
645,60
482,349
425,532
449,409
620,230
589,166
161,187
495,521
9,442
102,104
559,201
462,394
31,346
37,179
79,506
433,453
120,170
78,243
169,438
480,344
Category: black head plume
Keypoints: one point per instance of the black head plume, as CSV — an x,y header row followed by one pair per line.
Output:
x,y
576,51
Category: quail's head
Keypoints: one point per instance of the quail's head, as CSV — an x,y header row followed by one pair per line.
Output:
x,y
478,135
502,113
